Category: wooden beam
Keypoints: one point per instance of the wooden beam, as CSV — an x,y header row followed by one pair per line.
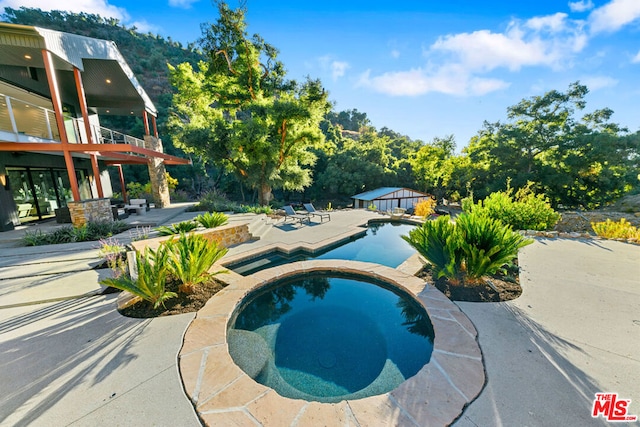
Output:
x,y
57,108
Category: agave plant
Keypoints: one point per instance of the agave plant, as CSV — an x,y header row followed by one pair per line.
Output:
x,y
438,242
178,228
190,258
211,219
150,282
486,244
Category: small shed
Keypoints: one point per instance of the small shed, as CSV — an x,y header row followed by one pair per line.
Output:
x,y
387,198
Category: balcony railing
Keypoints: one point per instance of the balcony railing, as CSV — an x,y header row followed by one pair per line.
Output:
x,y
21,121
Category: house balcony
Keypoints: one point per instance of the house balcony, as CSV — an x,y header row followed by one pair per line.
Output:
x,y
24,122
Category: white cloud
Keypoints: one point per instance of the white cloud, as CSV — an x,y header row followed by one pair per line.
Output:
x,y
547,40
614,15
636,59
581,6
333,66
338,68
458,63
184,4
395,54
450,80
98,7
598,82
145,27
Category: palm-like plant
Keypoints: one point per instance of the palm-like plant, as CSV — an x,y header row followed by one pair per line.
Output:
x,y
178,228
211,219
191,257
487,244
438,242
150,282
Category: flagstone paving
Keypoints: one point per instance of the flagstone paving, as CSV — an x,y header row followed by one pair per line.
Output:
x,y
224,395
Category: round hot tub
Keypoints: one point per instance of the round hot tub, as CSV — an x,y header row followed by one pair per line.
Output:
x,y
329,337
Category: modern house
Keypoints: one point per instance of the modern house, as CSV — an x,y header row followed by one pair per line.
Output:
x,y
388,198
54,154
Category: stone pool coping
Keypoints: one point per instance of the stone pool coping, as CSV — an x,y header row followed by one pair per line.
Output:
x,y
223,394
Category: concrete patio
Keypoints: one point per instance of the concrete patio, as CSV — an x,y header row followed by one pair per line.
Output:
x,y
71,359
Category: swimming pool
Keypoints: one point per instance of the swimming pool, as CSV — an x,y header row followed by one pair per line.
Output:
x,y
380,244
330,337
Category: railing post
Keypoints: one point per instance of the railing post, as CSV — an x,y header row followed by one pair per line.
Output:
x,y
48,122
12,119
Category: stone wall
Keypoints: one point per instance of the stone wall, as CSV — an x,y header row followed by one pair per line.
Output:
x,y
226,235
157,173
93,210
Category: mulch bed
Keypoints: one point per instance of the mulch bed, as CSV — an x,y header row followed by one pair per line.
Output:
x,y
496,288
183,303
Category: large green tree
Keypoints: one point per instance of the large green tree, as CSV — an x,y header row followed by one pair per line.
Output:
x,y
238,109
576,161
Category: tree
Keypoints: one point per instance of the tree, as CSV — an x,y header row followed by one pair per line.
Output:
x,y
576,162
433,166
358,166
238,110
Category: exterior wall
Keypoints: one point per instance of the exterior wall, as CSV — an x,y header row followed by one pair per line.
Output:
x,y
95,210
8,209
404,198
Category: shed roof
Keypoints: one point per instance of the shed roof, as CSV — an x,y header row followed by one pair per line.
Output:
x,y
375,194
380,193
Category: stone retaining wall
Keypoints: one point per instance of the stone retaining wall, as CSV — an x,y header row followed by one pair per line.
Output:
x,y
226,235
93,210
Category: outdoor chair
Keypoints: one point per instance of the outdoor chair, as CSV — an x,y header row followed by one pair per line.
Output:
x,y
312,211
290,213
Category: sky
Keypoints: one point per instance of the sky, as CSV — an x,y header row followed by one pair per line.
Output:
x,y
426,68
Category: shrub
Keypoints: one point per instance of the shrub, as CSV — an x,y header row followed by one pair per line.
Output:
x,y
425,207
527,211
437,242
190,258
473,247
486,244
151,277
616,230
180,227
140,233
34,238
114,254
214,201
211,219
68,233
100,230
256,209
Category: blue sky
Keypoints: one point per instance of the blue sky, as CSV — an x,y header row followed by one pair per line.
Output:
x,y
425,68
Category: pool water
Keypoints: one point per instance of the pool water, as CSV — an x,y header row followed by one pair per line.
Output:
x,y
381,244
328,338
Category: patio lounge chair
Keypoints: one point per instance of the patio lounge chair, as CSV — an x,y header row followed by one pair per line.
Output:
x,y
290,213
312,211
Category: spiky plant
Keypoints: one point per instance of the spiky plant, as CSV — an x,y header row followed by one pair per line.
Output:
x,y
150,282
486,244
436,240
190,258
211,219
178,228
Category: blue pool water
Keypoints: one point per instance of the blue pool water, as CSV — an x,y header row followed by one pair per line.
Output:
x,y
328,338
381,244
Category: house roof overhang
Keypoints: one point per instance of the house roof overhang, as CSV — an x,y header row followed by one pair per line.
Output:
x,y
109,153
110,85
